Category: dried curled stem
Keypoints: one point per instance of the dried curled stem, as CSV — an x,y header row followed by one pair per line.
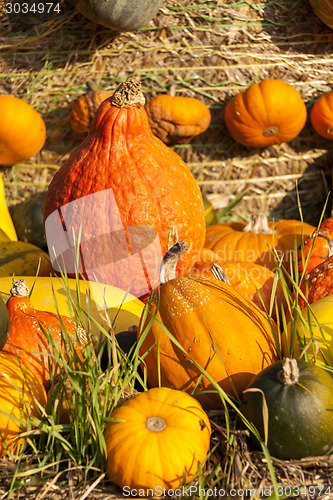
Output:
x,y
170,260
129,94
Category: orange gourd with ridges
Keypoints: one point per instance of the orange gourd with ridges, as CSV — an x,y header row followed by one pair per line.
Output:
x,y
151,184
319,245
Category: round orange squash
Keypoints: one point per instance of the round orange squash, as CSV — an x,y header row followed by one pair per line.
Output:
x,y
254,242
20,393
267,113
322,113
155,440
218,328
128,193
22,130
176,119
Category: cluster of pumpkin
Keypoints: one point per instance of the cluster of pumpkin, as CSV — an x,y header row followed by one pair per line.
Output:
x,y
207,329
267,113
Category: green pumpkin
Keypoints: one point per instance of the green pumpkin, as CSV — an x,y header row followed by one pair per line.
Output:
x,y
120,15
210,214
21,259
4,323
299,398
28,220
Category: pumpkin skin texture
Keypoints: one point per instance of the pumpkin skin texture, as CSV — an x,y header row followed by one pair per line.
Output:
x,y
318,244
324,10
21,258
254,281
154,193
144,455
6,222
120,15
84,109
22,130
197,312
4,323
267,113
20,390
177,120
318,283
253,242
300,416
27,341
322,113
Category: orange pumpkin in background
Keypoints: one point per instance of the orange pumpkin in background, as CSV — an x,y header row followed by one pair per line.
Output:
x,y
22,130
176,119
254,242
84,109
322,113
267,113
147,198
26,339
256,282
324,10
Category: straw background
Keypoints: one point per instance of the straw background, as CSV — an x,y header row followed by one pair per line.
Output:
x,y
207,49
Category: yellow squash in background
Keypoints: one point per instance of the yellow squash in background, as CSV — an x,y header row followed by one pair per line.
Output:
x,y
6,223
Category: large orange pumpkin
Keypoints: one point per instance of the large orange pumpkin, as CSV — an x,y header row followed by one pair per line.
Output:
x,y
219,328
22,130
27,340
322,113
137,196
267,113
254,242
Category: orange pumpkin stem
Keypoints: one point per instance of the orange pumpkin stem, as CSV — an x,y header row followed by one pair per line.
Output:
x,y
258,224
129,94
170,260
289,375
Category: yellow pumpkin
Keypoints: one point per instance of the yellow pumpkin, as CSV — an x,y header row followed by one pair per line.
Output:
x,y
6,223
154,441
46,290
20,393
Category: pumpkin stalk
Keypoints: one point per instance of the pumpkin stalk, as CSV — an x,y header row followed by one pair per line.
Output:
x,y
19,289
219,274
129,94
258,224
289,375
155,424
270,131
170,260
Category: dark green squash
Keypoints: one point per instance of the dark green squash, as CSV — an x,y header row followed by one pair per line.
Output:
x,y
120,15
4,323
299,398
28,220
21,259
